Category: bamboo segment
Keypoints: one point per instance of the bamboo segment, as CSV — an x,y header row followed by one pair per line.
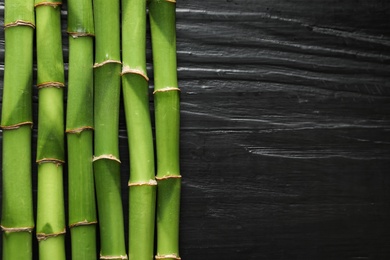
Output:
x,y
79,126
50,147
167,119
142,184
17,220
106,118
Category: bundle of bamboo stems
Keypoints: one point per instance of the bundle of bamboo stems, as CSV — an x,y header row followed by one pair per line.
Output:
x,y
96,73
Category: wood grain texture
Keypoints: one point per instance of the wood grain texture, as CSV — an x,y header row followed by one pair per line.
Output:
x,y
285,128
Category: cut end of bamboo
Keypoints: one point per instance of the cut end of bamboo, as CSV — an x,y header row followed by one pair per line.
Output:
x,y
44,236
128,70
20,23
167,177
16,229
166,89
118,257
171,1
106,156
168,256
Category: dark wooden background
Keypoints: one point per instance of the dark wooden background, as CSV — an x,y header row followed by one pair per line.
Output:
x,y
285,134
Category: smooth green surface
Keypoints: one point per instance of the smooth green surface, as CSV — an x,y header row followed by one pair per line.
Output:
x,y
167,120
51,124
107,93
80,83
17,203
107,38
134,34
83,242
53,248
81,192
18,73
168,208
142,201
50,209
17,245
108,192
139,129
19,10
163,32
49,45
80,16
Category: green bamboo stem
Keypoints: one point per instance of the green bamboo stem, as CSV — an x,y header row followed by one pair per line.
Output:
x,y
106,116
167,119
50,147
79,126
142,183
17,220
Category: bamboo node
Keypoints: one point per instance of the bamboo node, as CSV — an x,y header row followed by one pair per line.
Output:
x,y
113,257
80,34
51,84
106,156
56,161
44,236
166,89
143,183
52,4
169,176
17,229
16,126
101,64
168,256
78,130
20,23
128,70
83,223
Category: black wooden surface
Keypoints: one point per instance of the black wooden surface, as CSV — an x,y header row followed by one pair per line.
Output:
x,y
285,135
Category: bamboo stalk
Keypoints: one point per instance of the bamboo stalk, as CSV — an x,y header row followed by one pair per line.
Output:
x,y
50,147
142,183
106,117
17,220
79,126
167,118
